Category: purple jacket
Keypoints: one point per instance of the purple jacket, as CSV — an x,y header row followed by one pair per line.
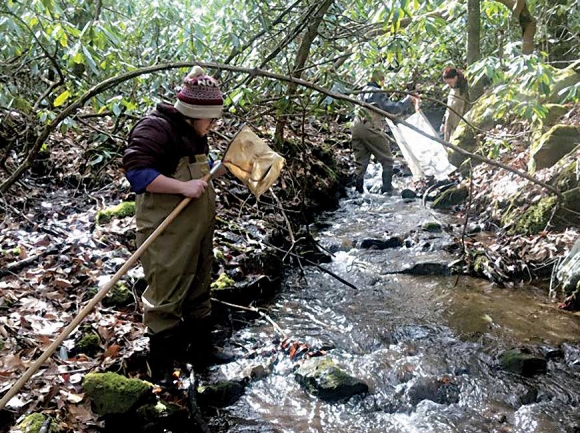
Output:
x,y
156,144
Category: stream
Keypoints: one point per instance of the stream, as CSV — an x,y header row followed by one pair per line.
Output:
x,y
426,345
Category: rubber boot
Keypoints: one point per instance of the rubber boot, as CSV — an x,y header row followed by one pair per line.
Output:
x,y
165,352
387,180
359,184
201,350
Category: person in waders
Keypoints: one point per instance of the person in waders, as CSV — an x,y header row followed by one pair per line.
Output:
x,y
457,101
165,161
368,131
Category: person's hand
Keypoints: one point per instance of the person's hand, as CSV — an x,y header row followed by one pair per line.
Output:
x,y
442,128
416,102
193,188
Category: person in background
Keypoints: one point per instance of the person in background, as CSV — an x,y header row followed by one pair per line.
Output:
x,y
457,101
165,161
368,131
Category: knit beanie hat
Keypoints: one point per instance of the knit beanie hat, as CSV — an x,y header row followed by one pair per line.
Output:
x,y
200,97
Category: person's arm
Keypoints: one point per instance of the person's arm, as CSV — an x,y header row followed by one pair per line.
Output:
x,y
381,101
167,185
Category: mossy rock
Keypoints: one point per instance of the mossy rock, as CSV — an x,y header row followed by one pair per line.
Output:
x,y
112,393
535,219
89,344
122,210
572,199
522,363
451,197
432,226
555,112
553,146
322,378
33,423
221,394
162,413
568,179
222,282
119,296
480,263
563,78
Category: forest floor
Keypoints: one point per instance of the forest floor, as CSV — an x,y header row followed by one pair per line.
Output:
x,y
54,254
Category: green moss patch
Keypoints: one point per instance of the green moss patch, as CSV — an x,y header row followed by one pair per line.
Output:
x,y
89,344
122,210
536,217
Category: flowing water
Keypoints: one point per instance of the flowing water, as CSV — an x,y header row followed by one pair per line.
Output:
x,y
427,346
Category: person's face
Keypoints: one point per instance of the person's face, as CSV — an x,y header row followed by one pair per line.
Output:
x,y
451,82
202,126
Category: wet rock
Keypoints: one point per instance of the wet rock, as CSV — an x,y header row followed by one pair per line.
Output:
x,y
432,226
322,378
451,197
549,352
408,194
221,394
162,415
522,363
568,272
428,269
112,393
380,244
256,372
571,355
441,391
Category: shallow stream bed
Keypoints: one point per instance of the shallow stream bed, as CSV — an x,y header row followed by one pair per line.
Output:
x,y
427,346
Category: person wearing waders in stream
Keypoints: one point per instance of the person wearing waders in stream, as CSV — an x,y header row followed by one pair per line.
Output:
x,y
368,131
457,101
165,161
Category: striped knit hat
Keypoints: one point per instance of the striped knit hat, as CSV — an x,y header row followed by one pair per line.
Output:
x,y
200,97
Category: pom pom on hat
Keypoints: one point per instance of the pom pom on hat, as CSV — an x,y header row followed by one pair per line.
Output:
x,y
200,97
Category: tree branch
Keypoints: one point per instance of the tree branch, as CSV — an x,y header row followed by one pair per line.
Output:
x,y
113,81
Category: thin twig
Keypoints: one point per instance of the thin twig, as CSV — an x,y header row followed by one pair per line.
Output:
x,y
253,310
310,262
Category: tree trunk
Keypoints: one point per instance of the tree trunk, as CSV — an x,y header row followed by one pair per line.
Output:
x,y
473,31
527,22
473,46
301,57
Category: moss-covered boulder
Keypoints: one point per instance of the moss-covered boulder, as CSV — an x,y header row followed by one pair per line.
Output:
x,y
522,363
112,393
221,394
451,197
322,378
33,423
553,145
122,210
